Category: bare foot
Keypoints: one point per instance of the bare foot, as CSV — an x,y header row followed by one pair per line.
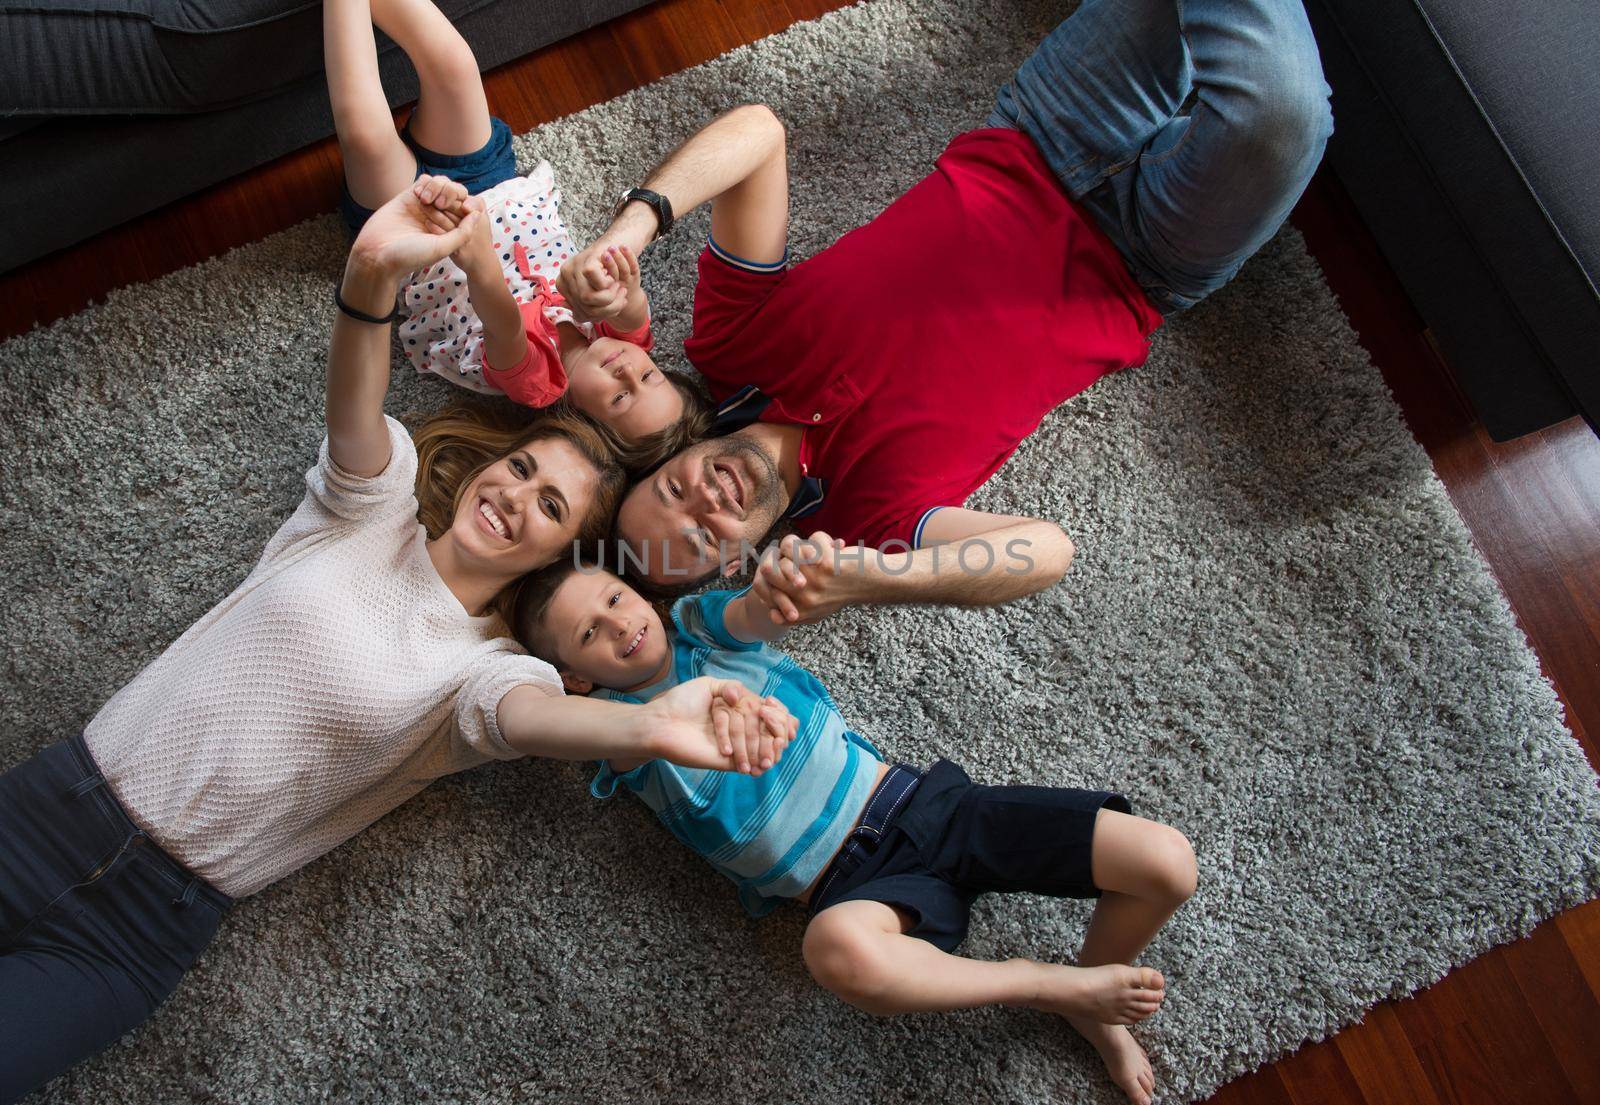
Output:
x,y
1112,994
1125,1060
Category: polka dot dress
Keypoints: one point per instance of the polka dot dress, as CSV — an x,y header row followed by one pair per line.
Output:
x,y
443,334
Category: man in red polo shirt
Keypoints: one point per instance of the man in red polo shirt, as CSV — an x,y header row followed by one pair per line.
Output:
x,y
867,391
1136,160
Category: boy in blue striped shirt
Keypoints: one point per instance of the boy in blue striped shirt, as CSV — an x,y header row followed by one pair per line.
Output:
x,y
888,858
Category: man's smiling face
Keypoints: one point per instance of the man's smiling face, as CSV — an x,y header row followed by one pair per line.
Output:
x,y
688,518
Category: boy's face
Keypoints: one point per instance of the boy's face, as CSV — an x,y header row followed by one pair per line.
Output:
x,y
604,632
617,383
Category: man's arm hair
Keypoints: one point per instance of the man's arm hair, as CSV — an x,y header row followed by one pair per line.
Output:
x,y
738,162
971,559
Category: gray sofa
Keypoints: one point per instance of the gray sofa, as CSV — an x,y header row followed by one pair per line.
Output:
x,y
1465,134
112,108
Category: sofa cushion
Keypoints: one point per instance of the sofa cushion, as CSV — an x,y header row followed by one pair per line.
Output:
x,y
81,175
104,57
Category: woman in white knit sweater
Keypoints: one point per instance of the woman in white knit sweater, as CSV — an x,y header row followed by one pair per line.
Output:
x,y
356,663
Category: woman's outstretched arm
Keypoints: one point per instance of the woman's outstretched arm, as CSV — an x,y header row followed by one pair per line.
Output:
x,y
403,235
708,723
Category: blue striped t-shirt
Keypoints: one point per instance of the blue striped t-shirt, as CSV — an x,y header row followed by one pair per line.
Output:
x,y
774,833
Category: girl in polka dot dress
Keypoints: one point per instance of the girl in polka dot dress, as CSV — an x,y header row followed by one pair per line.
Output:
x,y
490,317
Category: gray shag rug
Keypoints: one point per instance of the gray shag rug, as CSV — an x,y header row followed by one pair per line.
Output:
x,y
1276,636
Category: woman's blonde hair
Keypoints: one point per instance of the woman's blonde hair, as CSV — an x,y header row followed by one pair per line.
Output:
x,y
645,455
456,444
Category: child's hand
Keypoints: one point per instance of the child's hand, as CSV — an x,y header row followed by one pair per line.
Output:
x,y
592,288
803,581
695,726
756,731
476,257
441,199
623,267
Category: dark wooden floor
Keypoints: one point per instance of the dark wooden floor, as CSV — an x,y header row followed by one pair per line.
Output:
x,y
1521,1024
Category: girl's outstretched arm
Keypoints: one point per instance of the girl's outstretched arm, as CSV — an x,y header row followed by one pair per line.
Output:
x,y
403,235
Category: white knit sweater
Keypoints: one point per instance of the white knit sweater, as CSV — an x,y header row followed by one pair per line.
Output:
x,y
339,679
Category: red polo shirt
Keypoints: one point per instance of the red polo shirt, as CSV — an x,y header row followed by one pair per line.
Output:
x,y
920,349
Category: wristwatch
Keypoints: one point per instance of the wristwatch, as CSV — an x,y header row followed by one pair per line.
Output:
x,y
658,203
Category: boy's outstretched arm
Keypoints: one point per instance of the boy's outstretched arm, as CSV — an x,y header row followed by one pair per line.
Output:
x,y
750,616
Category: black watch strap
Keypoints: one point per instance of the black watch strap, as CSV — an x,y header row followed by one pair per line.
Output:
x,y
658,203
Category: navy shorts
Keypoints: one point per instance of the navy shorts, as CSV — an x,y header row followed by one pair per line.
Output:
x,y
480,170
949,841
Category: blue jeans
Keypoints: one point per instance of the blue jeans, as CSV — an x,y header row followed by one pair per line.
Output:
x,y
97,924
1186,196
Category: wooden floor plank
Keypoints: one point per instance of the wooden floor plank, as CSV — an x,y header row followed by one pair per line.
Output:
x,y
1262,1087
1382,1061
1581,929
1317,1075
1459,1069
1562,1002
1505,1027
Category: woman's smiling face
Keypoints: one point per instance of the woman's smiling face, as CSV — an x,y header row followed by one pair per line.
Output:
x,y
617,383
524,510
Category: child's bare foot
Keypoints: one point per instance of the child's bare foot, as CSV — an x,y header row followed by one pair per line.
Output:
x,y
1112,994
1125,1060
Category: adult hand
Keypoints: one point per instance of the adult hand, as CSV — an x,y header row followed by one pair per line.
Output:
x,y
407,233
803,580
685,728
591,289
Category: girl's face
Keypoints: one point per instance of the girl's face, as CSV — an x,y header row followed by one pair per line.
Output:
x,y
618,384
525,509
604,632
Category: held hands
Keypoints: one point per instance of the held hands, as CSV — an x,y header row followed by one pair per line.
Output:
x,y
721,725
801,581
476,256
601,282
419,226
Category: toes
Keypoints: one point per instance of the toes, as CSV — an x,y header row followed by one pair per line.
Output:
x,y
1136,1092
1150,979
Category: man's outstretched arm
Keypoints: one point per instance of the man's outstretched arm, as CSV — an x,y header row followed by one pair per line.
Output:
x,y
968,559
738,163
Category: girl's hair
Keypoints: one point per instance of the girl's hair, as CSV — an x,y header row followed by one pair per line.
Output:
x,y
649,452
459,442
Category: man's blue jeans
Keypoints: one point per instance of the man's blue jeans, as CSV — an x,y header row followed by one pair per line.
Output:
x,y
1187,197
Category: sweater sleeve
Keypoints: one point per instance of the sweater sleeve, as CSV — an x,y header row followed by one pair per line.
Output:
x,y
539,378
478,702
336,498
358,497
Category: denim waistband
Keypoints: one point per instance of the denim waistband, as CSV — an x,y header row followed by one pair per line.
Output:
x,y
138,844
888,799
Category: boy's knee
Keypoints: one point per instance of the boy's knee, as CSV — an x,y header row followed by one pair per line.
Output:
x,y
844,959
761,118
1173,871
